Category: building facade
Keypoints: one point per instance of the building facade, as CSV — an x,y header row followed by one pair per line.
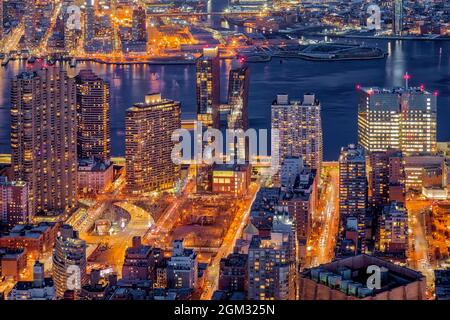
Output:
x,y
353,192
233,273
386,175
148,144
139,25
208,88
14,202
237,119
43,138
69,262
182,267
271,263
36,239
401,118
40,288
93,113
300,129
397,24
392,235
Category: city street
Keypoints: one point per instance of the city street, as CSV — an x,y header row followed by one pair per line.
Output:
x,y
233,234
418,253
326,223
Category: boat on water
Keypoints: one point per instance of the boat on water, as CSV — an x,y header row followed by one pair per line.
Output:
x,y
155,76
31,60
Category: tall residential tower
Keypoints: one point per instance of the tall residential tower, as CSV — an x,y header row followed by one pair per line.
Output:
x,y
353,192
43,138
69,261
93,110
300,129
148,144
208,88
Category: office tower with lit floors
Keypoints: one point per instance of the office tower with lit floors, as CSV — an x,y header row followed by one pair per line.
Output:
x,y
93,112
300,129
299,195
148,144
69,261
208,88
398,118
43,138
352,196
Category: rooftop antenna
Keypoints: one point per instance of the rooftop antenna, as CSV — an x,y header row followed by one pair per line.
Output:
x,y
406,77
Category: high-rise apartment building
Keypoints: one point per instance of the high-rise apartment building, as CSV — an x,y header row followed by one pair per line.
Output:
x,y
442,284
208,88
93,112
400,118
43,138
397,24
299,195
14,202
69,261
353,190
238,89
300,129
40,288
271,263
139,25
148,144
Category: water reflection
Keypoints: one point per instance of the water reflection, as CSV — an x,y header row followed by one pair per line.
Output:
x,y
334,84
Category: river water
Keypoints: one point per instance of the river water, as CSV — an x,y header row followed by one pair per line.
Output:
x,y
333,83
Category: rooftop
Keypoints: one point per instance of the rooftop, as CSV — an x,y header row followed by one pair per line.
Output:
x,y
350,275
397,90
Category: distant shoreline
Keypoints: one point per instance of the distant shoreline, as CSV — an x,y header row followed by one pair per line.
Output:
x,y
403,38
